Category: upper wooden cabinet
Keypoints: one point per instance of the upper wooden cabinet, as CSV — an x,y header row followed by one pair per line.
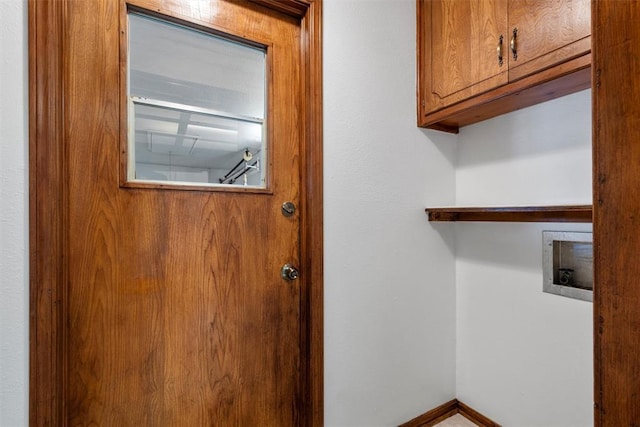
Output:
x,y
548,33
481,58
459,31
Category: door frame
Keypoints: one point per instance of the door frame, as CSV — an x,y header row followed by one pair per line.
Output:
x,y
616,318
48,214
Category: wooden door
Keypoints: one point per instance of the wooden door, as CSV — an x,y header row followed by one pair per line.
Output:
x,y
169,307
460,54
547,33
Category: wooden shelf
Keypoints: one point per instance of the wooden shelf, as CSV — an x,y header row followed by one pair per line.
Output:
x,y
574,213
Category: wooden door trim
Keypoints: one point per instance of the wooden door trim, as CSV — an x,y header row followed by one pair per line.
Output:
x,y
615,115
47,217
295,8
312,238
48,220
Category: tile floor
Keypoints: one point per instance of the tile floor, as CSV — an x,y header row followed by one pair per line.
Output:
x,y
456,421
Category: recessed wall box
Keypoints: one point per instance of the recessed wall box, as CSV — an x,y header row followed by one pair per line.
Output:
x,y
567,262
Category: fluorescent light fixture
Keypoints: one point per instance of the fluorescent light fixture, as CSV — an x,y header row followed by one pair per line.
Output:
x,y
213,133
166,143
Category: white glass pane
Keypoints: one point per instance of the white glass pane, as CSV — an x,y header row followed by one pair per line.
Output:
x,y
197,107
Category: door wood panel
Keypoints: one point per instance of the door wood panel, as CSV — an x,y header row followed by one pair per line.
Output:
x,y
177,313
166,307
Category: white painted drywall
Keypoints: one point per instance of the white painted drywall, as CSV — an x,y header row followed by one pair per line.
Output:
x,y
389,275
14,305
524,357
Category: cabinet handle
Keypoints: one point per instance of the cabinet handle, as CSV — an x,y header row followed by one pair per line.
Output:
x,y
513,44
499,50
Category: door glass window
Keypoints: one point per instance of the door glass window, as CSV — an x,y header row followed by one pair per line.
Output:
x,y
196,105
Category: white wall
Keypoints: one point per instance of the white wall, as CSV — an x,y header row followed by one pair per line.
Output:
x,y
524,357
14,305
389,275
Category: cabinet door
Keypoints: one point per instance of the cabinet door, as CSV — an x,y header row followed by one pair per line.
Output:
x,y
549,32
459,55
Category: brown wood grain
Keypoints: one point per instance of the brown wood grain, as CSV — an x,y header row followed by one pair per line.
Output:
x,y
296,8
616,236
549,32
460,49
550,64
47,213
475,416
183,274
166,307
447,410
434,416
554,82
580,213
311,198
